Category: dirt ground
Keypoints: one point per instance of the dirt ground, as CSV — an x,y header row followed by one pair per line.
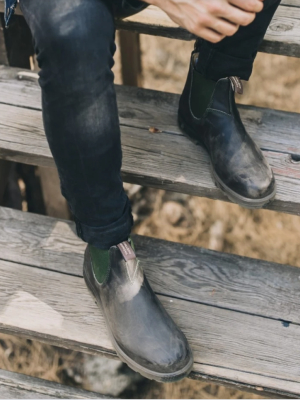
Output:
x,y
197,221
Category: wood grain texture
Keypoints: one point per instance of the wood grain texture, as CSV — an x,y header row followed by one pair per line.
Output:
x,y
282,36
239,314
57,309
19,386
191,273
164,160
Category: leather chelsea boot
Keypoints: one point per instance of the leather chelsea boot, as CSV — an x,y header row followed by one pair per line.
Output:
x,y
209,116
143,334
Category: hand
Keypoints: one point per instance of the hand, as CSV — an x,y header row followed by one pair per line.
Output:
x,y
211,20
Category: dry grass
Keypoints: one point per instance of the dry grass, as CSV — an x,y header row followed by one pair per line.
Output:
x,y
188,389
40,360
224,227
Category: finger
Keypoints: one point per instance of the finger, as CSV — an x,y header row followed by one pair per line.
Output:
x,y
237,16
209,35
224,27
255,6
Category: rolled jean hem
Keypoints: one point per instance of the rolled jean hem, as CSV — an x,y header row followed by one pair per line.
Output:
x,y
103,237
216,65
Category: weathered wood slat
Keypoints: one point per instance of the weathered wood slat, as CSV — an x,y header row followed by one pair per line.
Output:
x,y
292,3
57,309
240,315
190,273
163,160
19,386
274,130
282,36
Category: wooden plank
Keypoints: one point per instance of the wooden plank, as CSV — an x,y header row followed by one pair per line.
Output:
x,y
164,160
292,3
190,273
220,282
282,36
57,309
19,386
142,108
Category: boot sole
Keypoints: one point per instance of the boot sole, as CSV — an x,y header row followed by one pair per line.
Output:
x,y
233,196
160,377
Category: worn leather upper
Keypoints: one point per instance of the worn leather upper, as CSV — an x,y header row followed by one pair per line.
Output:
x,y
235,157
139,324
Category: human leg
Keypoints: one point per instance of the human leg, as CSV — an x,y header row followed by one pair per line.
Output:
x,y
74,41
235,55
209,116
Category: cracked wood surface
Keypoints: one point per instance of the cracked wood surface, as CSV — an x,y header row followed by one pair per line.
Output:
x,y
165,160
239,314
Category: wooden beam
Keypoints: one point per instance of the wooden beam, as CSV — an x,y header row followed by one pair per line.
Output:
x,y
19,386
131,58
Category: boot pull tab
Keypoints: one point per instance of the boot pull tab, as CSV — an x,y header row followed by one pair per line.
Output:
x,y
127,251
237,85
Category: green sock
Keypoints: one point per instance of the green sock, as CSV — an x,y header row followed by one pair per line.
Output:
x,y
201,93
100,263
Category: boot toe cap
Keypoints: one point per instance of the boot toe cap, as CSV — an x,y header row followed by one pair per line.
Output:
x,y
164,362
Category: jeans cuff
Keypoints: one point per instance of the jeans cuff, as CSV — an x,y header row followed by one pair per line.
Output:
x,y
216,65
106,236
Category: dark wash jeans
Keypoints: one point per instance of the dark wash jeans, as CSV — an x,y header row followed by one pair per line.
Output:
x,y
234,56
75,45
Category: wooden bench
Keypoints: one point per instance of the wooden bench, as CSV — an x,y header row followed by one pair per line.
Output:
x,y
240,315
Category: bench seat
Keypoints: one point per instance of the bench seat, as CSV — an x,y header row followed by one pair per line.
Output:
x,y
240,315
160,157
